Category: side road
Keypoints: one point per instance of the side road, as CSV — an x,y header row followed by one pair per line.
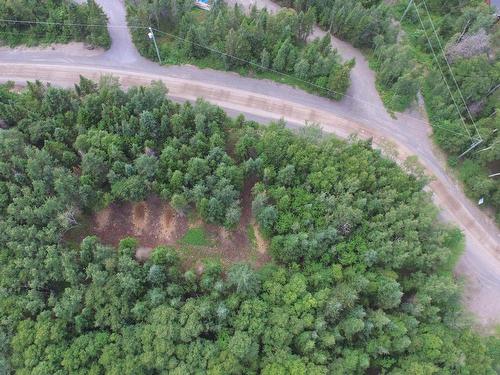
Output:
x,y
264,100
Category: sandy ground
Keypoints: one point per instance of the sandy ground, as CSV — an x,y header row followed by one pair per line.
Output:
x,y
261,242
153,223
74,48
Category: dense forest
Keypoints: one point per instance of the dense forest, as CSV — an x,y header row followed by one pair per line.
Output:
x,y
446,50
359,280
261,44
34,22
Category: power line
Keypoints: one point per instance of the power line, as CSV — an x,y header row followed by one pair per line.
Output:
x,y
406,11
400,20
441,70
151,35
212,50
449,68
300,80
258,65
228,55
71,24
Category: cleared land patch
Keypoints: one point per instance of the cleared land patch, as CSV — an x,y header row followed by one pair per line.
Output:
x,y
154,222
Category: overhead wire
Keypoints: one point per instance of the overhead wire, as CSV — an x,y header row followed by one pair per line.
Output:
x,y
230,56
451,71
70,24
442,72
215,51
400,20
284,74
197,44
297,79
406,11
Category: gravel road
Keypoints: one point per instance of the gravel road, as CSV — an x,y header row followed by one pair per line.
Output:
x,y
360,112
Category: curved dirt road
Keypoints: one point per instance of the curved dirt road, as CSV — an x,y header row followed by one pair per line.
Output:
x,y
264,100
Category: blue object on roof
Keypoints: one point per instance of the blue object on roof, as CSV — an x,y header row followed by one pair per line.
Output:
x,y
203,4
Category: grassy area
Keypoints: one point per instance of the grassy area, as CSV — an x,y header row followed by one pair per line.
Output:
x,y
76,234
195,237
251,236
455,241
191,256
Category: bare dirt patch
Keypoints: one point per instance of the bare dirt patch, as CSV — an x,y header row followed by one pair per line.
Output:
x,y
139,217
70,49
142,253
154,222
232,246
101,219
260,241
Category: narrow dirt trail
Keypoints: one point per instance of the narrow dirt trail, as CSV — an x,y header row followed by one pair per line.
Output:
x,y
482,271
264,100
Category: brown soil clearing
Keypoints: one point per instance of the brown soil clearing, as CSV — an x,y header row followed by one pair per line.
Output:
x,y
154,222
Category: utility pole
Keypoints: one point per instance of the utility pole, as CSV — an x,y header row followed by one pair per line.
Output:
x,y
151,35
473,146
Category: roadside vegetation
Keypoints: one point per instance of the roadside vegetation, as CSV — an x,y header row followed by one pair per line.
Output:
x,y
402,57
257,44
32,22
359,281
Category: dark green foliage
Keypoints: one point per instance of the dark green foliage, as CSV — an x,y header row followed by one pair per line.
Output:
x,y
255,42
357,285
455,126
410,57
477,74
356,21
59,21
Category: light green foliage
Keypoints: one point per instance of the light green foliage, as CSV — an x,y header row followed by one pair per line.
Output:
x,y
476,75
195,237
243,279
404,62
358,281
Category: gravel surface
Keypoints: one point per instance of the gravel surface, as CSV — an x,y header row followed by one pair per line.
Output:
x,y
361,111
